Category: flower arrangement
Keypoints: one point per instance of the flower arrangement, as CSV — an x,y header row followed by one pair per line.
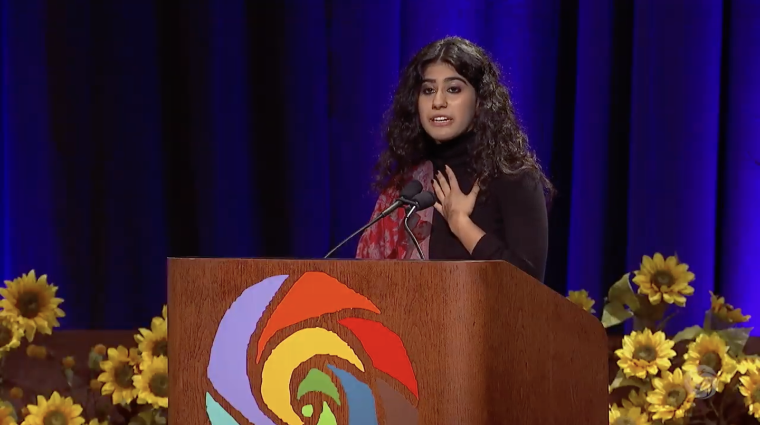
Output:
x,y
135,379
712,381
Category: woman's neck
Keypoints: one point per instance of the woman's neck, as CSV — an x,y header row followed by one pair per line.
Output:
x,y
452,151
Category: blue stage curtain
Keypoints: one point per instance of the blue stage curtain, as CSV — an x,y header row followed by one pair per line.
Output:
x,y
675,112
133,132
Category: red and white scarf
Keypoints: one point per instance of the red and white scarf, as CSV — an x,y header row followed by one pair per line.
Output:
x,y
387,239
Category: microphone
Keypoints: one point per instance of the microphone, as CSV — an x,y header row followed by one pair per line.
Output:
x,y
420,202
424,200
408,192
412,189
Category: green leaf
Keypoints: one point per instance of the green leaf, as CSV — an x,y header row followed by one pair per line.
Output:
x,y
622,381
93,361
651,313
160,420
621,292
736,339
707,325
688,334
615,313
69,377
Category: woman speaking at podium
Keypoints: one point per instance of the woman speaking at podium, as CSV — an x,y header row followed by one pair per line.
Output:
x,y
452,127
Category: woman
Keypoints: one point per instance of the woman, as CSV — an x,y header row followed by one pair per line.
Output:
x,y
452,126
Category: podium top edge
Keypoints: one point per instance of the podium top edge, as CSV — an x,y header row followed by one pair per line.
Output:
x,y
331,260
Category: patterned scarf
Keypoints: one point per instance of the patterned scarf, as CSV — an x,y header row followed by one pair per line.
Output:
x,y
387,239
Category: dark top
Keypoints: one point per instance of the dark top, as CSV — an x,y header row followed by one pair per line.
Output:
x,y
511,211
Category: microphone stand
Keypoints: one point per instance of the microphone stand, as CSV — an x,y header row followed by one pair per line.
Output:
x,y
401,201
411,210
363,228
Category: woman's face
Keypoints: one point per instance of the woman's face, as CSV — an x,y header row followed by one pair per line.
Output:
x,y
446,103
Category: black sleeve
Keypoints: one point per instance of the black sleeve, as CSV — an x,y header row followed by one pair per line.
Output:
x,y
522,205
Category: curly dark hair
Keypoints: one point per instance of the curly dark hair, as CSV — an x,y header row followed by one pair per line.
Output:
x,y
500,147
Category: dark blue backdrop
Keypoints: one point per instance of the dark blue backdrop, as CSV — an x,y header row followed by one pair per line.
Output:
x,y
133,131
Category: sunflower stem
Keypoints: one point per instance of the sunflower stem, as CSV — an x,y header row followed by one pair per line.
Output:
x,y
88,399
722,408
2,374
664,322
718,416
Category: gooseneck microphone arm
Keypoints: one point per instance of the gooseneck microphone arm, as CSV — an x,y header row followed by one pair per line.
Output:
x,y
411,210
412,189
420,202
363,228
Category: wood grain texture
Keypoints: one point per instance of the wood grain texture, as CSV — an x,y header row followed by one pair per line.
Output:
x,y
488,344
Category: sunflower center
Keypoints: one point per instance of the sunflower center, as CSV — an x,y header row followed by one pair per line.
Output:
x,y
675,397
662,279
645,352
123,375
6,335
711,360
159,385
161,348
624,421
28,304
55,418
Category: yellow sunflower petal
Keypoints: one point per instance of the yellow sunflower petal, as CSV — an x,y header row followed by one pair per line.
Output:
x,y
647,264
76,409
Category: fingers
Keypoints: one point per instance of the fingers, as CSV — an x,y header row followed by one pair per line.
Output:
x,y
438,190
438,207
475,190
452,179
444,185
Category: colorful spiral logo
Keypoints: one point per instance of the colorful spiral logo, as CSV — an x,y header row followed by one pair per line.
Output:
x,y
313,360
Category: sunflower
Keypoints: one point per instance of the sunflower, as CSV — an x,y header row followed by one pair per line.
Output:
x,y
153,383
662,279
726,312
708,364
750,389
645,353
154,342
748,364
581,299
632,416
636,399
117,374
31,302
671,398
6,415
10,335
97,422
55,411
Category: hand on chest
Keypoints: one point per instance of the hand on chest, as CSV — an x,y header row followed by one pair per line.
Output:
x,y
485,213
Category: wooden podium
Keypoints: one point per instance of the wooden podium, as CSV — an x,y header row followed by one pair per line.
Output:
x,y
364,342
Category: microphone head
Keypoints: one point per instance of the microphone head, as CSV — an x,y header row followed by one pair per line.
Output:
x,y
411,189
424,200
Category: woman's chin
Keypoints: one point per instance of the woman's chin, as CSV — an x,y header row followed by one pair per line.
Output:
x,y
443,135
